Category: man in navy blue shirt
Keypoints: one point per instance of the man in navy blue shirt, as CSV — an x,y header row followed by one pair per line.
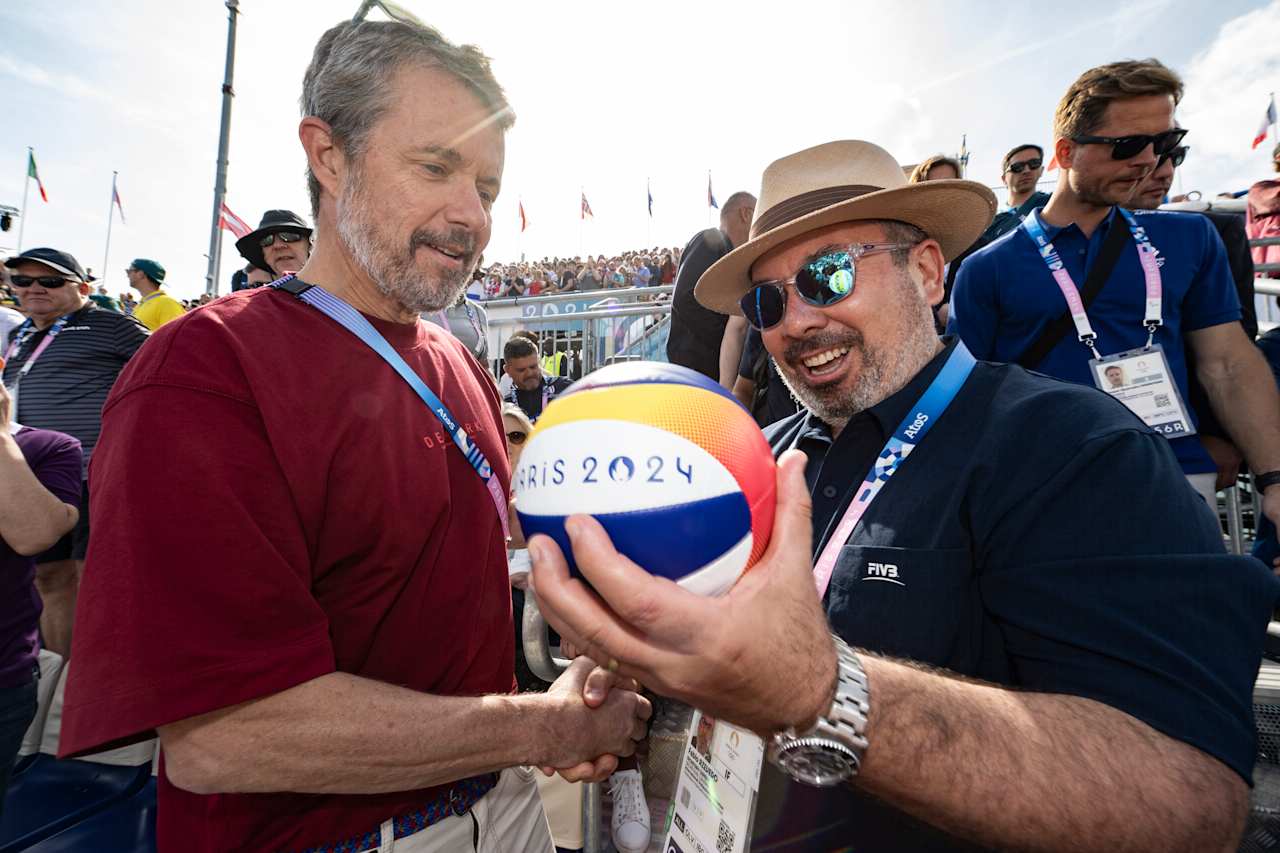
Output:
x,y
1112,126
1039,640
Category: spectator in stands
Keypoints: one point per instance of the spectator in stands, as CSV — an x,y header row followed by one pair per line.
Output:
x,y
1111,128
532,386
39,500
156,307
1231,228
60,365
1038,675
939,167
257,277
1263,218
642,275
323,676
1020,172
587,278
667,271
102,299
697,335
281,243
127,303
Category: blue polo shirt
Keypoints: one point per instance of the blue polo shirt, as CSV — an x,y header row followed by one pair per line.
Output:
x,y
1004,297
1041,537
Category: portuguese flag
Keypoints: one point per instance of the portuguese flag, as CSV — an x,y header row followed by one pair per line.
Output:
x,y
33,173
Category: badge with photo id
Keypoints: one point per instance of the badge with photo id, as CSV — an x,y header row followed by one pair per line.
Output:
x,y
1141,379
715,799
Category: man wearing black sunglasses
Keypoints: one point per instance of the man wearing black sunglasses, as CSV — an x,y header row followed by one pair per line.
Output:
x,y
1158,285
60,365
1019,580
281,243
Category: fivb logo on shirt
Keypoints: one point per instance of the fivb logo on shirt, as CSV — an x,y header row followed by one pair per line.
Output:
x,y
886,572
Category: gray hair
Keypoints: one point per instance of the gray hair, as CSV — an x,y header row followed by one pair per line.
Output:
x,y
347,83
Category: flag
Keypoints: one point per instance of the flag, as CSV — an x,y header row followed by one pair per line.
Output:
x,y
1267,121
711,198
524,222
586,208
115,198
232,223
649,192
32,173
964,154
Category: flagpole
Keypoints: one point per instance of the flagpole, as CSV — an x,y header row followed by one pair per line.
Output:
x,y
26,186
224,142
111,215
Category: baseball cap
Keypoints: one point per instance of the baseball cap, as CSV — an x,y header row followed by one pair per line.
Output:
x,y
63,262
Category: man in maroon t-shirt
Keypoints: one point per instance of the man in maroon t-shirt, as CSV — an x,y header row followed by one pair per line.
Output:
x,y
303,586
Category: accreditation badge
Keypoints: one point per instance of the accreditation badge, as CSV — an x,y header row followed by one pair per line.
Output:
x,y
715,799
1141,379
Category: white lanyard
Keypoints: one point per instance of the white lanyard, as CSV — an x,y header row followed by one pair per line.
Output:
x,y
1150,269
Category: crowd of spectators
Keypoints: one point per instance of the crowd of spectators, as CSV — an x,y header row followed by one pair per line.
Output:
x,y
642,268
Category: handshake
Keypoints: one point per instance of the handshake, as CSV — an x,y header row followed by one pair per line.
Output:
x,y
598,718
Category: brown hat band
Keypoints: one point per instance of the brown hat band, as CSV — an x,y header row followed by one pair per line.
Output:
x,y
797,206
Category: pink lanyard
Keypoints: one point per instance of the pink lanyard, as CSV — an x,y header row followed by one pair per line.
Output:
x,y
19,340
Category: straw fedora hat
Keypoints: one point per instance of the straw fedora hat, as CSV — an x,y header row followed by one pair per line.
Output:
x,y
844,181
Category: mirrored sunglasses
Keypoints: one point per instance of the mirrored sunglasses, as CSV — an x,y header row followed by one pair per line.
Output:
x,y
284,237
1125,147
821,282
48,282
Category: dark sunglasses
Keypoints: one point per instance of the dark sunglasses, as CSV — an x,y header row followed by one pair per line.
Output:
x,y
1177,155
517,437
284,237
1019,168
823,282
1125,147
48,282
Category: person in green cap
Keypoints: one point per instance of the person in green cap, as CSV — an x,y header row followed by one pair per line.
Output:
x,y
156,307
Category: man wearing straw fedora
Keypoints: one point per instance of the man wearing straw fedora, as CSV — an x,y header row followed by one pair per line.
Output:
x,y
1025,631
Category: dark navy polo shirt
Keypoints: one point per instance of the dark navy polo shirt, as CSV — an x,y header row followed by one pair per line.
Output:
x,y
1004,298
1039,537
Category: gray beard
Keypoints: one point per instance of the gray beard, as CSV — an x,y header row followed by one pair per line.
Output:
x,y
880,373
393,272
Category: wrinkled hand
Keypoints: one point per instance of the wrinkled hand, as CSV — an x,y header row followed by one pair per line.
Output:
x,y
600,715
760,656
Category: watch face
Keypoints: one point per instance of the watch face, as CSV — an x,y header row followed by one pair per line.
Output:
x,y
821,765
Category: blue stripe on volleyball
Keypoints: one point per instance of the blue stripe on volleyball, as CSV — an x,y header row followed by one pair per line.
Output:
x,y
647,373
671,541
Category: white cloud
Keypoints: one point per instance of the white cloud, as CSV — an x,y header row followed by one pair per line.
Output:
x,y
1227,85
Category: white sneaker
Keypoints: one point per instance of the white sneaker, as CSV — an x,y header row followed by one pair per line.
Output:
x,y
630,812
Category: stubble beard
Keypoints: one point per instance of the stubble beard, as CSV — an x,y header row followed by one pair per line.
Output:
x,y
394,271
880,372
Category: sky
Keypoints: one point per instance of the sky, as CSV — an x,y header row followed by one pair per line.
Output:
x,y
609,97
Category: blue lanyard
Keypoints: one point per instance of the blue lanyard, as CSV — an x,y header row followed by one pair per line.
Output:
x,y
354,322
25,331
914,427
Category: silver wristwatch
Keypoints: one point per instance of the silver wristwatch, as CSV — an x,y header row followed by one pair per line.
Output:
x,y
831,751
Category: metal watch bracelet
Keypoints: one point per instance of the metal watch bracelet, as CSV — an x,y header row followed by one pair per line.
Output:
x,y
831,751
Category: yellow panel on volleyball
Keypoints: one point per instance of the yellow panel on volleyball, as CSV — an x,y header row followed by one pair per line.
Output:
x,y
712,421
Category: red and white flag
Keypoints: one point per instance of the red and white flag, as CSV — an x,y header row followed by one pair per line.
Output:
x,y
115,199
524,221
1267,122
232,223
586,208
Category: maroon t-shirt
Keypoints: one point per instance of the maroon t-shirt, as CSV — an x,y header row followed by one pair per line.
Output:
x,y
271,502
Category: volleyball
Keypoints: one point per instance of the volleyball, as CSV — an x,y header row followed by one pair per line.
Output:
x,y
673,467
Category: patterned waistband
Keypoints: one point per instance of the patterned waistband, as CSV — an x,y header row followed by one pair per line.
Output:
x,y
457,800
